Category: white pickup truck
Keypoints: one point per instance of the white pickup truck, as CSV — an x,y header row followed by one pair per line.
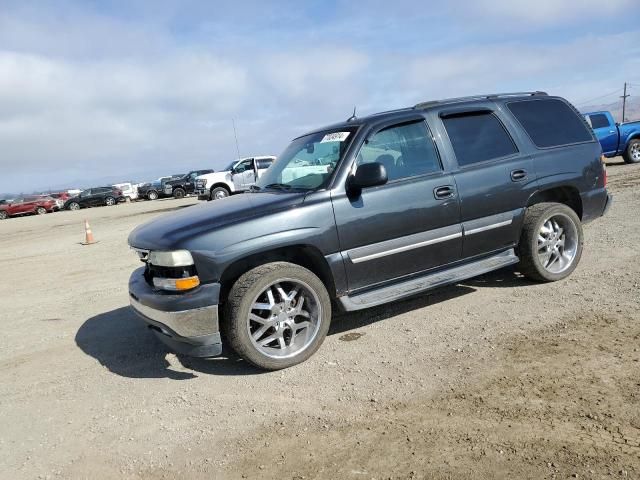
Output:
x,y
237,177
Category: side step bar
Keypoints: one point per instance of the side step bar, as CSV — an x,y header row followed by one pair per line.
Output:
x,y
427,282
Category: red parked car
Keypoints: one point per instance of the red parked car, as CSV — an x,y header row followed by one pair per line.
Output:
x,y
28,205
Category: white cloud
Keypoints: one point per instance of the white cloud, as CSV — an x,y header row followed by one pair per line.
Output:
x,y
529,14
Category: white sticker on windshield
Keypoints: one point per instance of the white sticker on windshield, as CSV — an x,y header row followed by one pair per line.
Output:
x,y
335,137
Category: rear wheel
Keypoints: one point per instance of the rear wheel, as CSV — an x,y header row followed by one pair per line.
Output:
x,y
3,215
551,242
41,210
74,206
179,193
152,195
109,201
219,193
632,153
277,315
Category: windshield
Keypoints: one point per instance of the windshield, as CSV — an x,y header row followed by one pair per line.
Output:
x,y
230,166
308,162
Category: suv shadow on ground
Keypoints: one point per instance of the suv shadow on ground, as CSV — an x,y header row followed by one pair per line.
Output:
x,y
121,342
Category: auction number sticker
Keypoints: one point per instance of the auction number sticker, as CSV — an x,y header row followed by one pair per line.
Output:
x,y
335,137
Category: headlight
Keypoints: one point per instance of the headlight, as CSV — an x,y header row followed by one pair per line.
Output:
x,y
178,258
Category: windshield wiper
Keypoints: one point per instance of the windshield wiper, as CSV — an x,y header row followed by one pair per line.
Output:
x,y
279,186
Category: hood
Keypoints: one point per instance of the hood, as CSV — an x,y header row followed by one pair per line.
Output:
x,y
174,229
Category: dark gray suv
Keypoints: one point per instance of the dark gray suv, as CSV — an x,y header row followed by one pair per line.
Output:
x,y
369,211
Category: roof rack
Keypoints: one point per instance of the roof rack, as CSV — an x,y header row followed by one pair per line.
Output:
x,y
475,97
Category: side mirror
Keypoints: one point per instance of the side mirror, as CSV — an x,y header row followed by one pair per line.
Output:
x,y
368,175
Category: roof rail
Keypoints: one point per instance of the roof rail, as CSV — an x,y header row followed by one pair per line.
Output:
x,y
475,97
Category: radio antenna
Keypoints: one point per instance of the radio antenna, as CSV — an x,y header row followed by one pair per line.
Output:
x,y
235,134
352,117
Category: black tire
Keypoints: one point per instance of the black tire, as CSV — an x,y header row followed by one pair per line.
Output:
x,y
110,201
73,206
179,193
3,215
238,307
632,153
528,250
152,195
41,211
219,193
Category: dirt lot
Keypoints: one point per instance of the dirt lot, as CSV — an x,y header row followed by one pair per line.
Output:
x,y
493,378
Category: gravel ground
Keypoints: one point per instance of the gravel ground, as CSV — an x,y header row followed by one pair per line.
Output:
x,y
496,377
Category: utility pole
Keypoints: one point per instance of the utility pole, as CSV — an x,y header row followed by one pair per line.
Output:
x,y
624,101
233,121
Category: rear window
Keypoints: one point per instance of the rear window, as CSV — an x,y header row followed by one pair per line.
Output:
x,y
550,122
478,137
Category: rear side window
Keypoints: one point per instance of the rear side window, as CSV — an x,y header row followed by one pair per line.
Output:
x,y
598,120
550,122
478,137
264,163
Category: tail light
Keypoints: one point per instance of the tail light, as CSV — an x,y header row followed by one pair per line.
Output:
x,y
604,169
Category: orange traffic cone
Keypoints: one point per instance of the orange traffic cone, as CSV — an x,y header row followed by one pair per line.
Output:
x,y
88,234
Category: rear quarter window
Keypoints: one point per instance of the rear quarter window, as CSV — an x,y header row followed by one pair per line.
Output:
x,y
550,122
599,120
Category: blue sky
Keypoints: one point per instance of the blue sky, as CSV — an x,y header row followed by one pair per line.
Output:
x,y
100,91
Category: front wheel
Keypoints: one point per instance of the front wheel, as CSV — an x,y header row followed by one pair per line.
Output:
x,y
219,193
41,210
74,206
109,201
632,153
551,242
3,215
152,195
179,193
277,315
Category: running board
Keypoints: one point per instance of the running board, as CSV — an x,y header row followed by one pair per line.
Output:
x,y
427,282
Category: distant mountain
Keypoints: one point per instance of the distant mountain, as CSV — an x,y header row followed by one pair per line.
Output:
x,y
632,112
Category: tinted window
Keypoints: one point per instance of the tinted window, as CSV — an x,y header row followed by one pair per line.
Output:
x,y
599,120
478,137
405,151
550,122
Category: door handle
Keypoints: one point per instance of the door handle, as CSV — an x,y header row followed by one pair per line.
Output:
x,y
518,175
443,192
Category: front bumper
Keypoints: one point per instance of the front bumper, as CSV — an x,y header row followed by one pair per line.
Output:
x,y
186,322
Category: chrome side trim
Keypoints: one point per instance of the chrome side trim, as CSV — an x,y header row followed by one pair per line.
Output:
x,y
186,323
403,244
483,224
488,227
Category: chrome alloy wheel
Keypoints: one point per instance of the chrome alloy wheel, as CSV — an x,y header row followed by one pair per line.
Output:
x,y
635,152
557,243
220,194
284,318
